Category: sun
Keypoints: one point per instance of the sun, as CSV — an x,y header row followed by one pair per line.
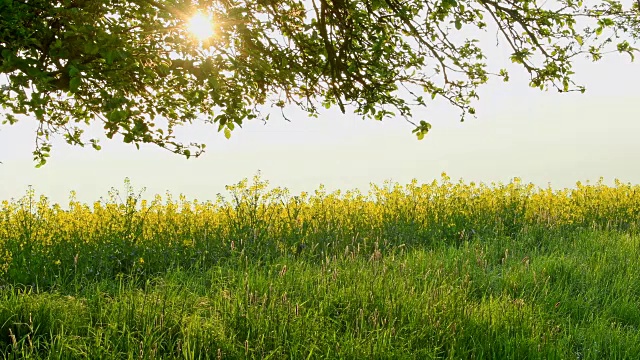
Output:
x,y
200,26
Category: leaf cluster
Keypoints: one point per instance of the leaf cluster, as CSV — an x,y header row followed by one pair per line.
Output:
x,y
132,65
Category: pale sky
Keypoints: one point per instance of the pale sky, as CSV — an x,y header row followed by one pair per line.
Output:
x,y
541,137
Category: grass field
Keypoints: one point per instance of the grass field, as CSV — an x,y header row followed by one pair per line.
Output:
x,y
436,271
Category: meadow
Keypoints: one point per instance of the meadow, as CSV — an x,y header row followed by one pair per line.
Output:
x,y
443,270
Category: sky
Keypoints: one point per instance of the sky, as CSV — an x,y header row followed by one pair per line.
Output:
x,y
545,138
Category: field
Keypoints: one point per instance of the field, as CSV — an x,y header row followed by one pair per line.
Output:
x,y
444,270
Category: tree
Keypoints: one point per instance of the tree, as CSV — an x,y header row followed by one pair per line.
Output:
x,y
133,66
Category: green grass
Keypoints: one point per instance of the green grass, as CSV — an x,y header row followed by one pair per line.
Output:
x,y
562,296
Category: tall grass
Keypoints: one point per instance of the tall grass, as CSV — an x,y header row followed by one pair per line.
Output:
x,y
443,270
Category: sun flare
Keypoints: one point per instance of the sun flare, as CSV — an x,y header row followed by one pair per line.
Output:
x,y
201,26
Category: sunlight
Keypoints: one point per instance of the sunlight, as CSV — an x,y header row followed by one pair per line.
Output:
x,y
201,26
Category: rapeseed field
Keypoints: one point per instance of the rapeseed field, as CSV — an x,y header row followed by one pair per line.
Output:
x,y
442,270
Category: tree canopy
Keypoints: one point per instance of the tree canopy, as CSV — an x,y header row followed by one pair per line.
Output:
x,y
133,66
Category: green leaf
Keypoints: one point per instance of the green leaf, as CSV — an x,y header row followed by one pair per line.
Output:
x,y
623,46
458,24
163,69
74,71
227,133
74,84
377,4
422,129
91,48
110,56
447,4
10,119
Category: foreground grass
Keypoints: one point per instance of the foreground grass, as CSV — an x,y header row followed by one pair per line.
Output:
x,y
565,296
